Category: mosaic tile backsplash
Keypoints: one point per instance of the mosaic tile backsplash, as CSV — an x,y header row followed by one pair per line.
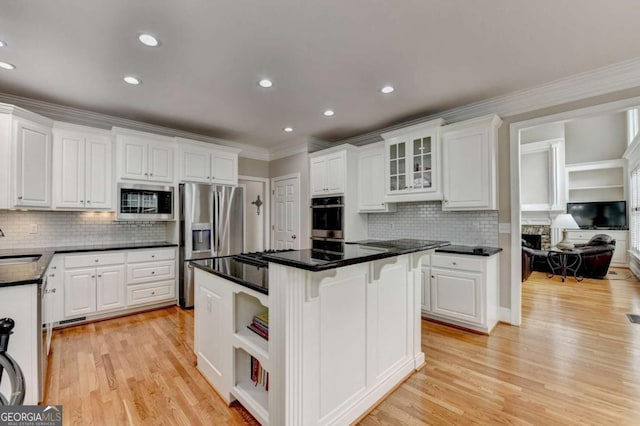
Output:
x,y
57,229
426,220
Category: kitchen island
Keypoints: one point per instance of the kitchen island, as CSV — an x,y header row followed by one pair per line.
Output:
x,y
343,330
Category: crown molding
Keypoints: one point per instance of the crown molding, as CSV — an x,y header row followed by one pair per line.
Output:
x,y
82,117
608,79
287,150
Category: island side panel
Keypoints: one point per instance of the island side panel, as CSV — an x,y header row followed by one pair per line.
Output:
x,y
340,339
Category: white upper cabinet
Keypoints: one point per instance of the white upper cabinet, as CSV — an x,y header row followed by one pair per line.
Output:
x,y
328,173
371,180
469,154
32,164
207,164
82,168
412,163
144,156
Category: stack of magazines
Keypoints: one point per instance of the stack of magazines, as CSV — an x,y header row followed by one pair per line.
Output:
x,y
259,376
260,325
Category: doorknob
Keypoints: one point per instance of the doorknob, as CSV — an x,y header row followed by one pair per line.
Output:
x,y
293,237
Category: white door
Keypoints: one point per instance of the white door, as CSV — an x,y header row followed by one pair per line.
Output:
x,y
97,173
69,158
286,213
33,168
79,292
196,166
110,288
160,163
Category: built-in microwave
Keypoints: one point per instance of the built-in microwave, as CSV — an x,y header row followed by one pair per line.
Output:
x,y
144,202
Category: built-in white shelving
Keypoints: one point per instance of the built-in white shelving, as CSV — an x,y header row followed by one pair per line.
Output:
x,y
596,181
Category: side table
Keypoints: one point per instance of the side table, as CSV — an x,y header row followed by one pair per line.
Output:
x,y
562,262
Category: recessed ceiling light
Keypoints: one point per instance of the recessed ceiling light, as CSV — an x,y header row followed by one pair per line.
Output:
x,y
288,129
266,83
7,66
132,80
148,40
2,43
328,113
387,89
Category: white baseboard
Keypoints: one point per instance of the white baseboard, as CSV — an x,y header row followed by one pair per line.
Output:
x,y
504,315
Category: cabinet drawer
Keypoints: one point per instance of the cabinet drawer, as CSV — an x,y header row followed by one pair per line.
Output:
x,y
467,263
153,271
94,259
151,255
149,293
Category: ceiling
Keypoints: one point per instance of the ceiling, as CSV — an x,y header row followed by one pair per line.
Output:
x,y
335,54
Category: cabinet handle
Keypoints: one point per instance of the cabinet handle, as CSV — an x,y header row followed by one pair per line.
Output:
x,y
54,267
454,263
53,290
82,201
20,197
93,276
382,204
153,256
99,276
446,201
52,275
146,174
97,260
89,201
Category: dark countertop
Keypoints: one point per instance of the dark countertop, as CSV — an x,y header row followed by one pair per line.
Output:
x,y
32,273
357,252
245,274
470,250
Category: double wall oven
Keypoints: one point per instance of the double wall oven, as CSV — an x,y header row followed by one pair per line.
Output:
x,y
327,224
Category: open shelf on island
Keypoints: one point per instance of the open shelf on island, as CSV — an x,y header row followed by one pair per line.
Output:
x,y
253,344
254,398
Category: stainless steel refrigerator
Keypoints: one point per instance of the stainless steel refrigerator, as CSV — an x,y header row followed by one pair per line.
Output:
x,y
211,224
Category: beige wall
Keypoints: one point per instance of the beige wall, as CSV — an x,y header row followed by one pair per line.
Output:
x,y
504,182
298,163
255,168
603,137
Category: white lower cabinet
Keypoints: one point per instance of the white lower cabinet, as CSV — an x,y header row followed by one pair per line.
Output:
x,y
95,283
463,290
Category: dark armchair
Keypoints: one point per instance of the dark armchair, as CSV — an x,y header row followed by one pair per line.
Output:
x,y
596,256
532,260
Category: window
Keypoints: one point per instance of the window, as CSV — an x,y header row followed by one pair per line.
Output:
x,y
633,121
634,210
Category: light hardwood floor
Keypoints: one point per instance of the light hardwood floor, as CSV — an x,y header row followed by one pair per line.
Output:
x,y
574,360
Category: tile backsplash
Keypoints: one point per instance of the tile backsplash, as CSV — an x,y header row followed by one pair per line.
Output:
x,y
426,220
56,229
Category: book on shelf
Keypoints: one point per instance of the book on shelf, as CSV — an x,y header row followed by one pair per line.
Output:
x,y
259,376
260,325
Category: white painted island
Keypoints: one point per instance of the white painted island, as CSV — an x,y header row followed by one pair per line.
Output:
x,y
342,332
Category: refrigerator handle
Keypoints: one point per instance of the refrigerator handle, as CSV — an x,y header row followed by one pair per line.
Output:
x,y
215,244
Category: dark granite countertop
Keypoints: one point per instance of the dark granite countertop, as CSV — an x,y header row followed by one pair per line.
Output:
x,y
357,252
32,273
470,250
245,274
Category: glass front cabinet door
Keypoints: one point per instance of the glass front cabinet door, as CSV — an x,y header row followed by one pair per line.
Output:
x,y
412,161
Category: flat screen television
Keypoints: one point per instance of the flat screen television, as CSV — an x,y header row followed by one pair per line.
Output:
x,y
599,214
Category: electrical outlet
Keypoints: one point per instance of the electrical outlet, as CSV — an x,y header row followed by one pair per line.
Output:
x,y
34,228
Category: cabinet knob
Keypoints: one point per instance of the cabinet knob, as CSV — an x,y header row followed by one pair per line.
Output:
x,y
146,174
89,201
97,260
153,293
454,263
293,237
93,276
54,267
150,174
153,272
446,201
20,197
213,177
52,275
53,290
382,204
153,255
432,276
99,276
208,177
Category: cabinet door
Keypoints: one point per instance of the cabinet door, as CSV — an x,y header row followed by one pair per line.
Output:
x,y
69,171
33,165
55,283
371,181
397,168
195,166
457,294
423,176
318,176
336,173
134,158
467,170
110,292
98,173
79,292
160,163
224,168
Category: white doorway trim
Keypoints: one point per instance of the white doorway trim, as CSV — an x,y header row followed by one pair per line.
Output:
x,y
267,206
516,218
273,184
